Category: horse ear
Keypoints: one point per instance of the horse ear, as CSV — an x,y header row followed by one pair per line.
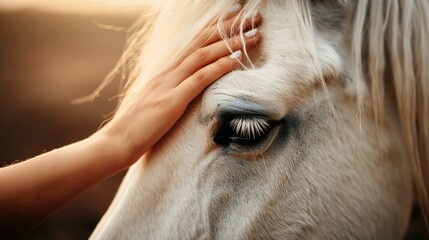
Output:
x,y
398,64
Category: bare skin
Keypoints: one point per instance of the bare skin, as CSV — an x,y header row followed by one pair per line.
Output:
x,y
33,190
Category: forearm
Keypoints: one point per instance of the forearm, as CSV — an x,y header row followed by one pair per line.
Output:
x,y
35,189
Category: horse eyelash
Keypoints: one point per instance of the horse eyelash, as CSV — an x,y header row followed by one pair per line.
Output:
x,y
250,127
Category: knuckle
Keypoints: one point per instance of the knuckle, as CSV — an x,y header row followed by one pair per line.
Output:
x,y
162,102
222,63
235,42
200,54
167,102
199,76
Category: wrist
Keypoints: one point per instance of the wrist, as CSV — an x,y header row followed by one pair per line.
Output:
x,y
115,149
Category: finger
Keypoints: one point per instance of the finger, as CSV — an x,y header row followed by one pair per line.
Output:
x,y
209,54
212,35
231,27
195,84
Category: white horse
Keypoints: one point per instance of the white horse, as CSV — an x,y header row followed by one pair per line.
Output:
x,y
322,134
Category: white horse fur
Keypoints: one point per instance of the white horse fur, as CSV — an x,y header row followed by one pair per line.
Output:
x,y
343,85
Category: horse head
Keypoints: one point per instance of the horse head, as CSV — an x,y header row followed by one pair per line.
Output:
x,y
310,139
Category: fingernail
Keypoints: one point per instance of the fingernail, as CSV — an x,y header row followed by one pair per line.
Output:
x,y
251,33
235,55
235,8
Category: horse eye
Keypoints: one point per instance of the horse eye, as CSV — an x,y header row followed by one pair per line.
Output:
x,y
243,130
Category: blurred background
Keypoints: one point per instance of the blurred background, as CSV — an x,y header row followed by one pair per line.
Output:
x,y
52,52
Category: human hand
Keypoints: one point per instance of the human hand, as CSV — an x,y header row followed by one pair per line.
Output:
x,y
138,126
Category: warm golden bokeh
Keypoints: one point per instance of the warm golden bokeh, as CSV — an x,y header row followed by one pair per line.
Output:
x,y
82,6
48,57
